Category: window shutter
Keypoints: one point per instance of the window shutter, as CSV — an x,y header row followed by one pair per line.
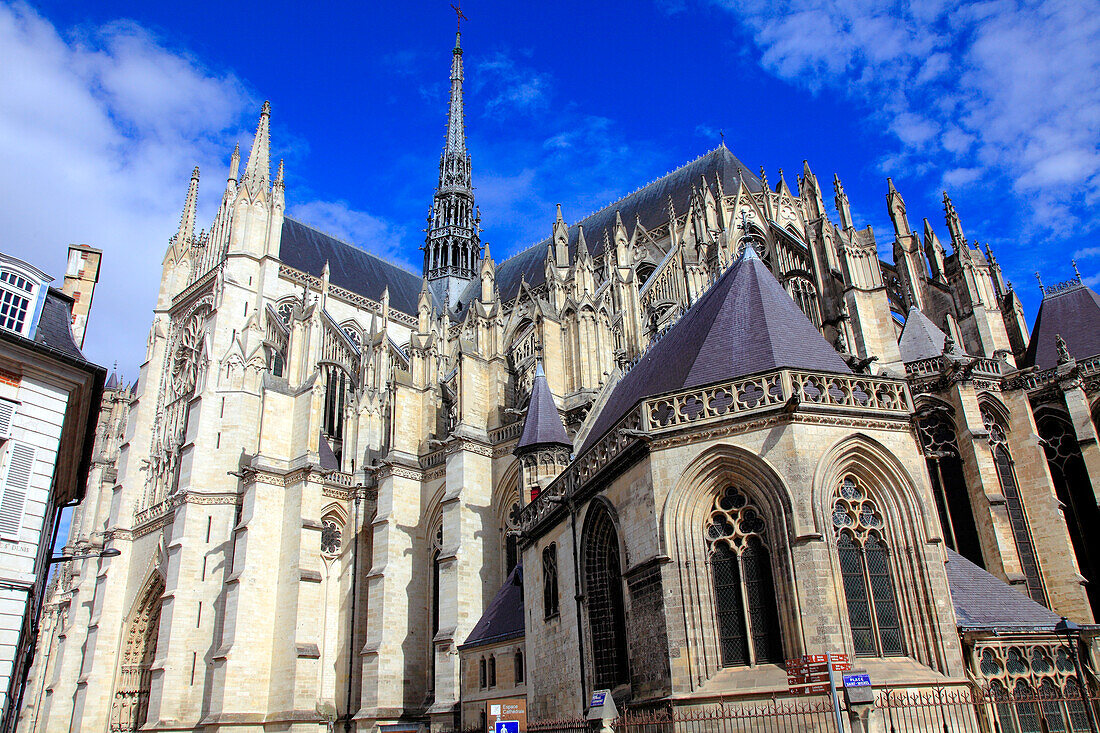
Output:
x,y
7,414
20,465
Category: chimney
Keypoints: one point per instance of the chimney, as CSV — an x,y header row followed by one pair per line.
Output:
x,y
81,276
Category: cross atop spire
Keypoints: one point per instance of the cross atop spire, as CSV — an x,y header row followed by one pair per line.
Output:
x,y
459,17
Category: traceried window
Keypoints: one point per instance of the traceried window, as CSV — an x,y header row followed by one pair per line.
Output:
x,y
1043,680
603,582
1074,491
15,300
330,536
1014,503
744,593
550,581
284,310
353,335
804,293
437,548
938,439
866,572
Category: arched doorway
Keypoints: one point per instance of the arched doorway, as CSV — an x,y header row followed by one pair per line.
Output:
x,y
131,702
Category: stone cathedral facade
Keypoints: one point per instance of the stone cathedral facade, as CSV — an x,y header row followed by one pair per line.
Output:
x,y
713,428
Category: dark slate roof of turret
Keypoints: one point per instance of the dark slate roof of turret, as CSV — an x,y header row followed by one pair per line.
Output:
x,y
746,323
982,600
542,424
920,338
304,248
1075,314
503,619
648,204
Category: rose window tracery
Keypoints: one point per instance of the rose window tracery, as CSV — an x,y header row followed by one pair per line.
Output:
x,y
733,519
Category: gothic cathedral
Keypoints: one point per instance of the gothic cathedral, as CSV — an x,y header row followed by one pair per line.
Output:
x,y
691,435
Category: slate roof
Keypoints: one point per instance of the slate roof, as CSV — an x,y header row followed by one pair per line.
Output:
x,y
920,338
306,249
325,455
542,425
649,205
746,323
503,619
1073,313
55,324
982,600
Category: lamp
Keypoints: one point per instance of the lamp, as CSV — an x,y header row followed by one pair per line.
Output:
x,y
109,552
1072,634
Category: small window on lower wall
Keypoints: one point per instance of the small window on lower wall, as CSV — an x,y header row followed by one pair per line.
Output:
x,y
518,662
481,673
492,671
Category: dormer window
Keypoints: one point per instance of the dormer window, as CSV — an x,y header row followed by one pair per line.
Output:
x,y
21,293
15,300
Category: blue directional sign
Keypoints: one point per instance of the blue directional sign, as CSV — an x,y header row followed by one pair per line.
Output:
x,y
506,726
598,698
857,680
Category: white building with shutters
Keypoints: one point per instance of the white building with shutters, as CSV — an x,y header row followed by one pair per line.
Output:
x,y
49,399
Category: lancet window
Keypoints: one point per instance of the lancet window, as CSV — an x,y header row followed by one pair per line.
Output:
x,y
604,593
337,387
866,572
744,592
1074,490
1014,503
939,441
550,581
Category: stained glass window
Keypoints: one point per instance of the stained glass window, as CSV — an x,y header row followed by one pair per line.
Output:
x,y
744,592
606,610
866,574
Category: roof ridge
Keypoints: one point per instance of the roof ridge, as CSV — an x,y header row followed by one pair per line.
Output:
x,y
622,198
343,241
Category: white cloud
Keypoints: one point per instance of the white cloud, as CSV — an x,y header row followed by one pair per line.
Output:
x,y
1002,88
512,88
98,135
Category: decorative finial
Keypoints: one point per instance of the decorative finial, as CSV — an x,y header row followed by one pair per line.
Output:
x,y
722,138
1040,279
1073,262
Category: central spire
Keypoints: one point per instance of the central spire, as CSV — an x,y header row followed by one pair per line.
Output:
x,y
456,129
452,247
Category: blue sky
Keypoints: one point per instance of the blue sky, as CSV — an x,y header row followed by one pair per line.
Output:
x,y
108,106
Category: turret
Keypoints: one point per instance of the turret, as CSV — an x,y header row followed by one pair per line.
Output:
x,y
895,205
488,277
560,239
544,447
842,206
958,241
258,169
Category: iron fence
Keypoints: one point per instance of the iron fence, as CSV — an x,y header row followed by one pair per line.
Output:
x,y
561,725
758,716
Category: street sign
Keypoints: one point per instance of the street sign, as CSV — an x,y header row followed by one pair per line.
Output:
x,y
811,690
598,698
506,726
812,678
857,680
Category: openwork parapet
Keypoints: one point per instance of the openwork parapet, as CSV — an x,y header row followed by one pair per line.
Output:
x,y
791,389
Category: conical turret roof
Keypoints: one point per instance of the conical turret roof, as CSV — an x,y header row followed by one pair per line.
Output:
x,y
542,425
920,338
746,323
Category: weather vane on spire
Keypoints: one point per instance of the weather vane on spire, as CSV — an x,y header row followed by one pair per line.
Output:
x,y
459,16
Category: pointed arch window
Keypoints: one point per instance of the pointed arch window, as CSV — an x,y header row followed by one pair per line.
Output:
x,y
939,442
744,591
866,573
603,582
1074,490
1014,503
550,581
